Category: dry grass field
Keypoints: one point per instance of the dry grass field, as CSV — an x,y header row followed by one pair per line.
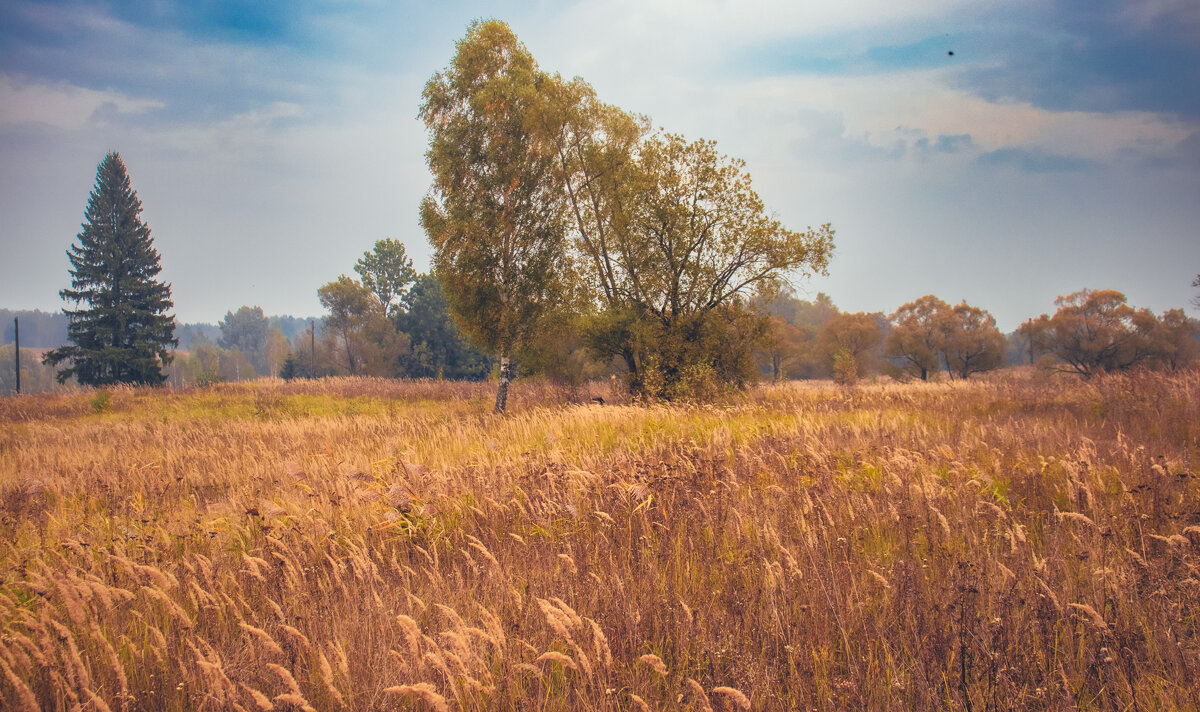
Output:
x,y
1007,543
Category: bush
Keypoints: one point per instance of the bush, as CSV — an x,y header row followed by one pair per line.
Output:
x,y
845,368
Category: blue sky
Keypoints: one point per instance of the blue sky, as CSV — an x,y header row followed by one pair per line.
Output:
x,y
1057,148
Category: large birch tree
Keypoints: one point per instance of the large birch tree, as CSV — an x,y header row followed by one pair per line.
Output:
x,y
493,214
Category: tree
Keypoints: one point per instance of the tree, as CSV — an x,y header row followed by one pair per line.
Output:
x,y
35,377
1093,331
968,340
850,336
246,330
1196,299
844,367
439,349
914,338
276,352
811,316
493,217
387,272
363,339
685,246
123,333
1173,340
233,365
785,346
670,238
798,350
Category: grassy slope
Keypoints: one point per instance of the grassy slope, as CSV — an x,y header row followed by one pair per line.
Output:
x,y
1007,543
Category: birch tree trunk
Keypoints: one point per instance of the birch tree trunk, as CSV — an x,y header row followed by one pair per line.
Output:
x,y
502,390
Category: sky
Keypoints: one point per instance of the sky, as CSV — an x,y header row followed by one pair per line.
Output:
x,y
1001,152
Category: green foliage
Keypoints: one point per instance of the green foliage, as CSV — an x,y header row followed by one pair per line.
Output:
x,y
845,367
561,353
493,217
207,378
123,333
101,402
246,330
386,271
670,235
670,239
293,368
439,349
681,357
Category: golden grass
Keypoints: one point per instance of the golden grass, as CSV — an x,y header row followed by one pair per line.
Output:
x,y
369,545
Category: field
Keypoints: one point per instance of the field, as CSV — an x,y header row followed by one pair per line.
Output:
x,y
1016,542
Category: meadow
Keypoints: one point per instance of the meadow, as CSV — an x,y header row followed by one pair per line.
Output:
x,y
1013,542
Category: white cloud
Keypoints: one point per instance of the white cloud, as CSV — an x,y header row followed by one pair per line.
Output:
x,y
271,171
874,107
61,105
1183,14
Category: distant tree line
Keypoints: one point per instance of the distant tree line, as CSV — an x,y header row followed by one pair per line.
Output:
x,y
1092,331
39,329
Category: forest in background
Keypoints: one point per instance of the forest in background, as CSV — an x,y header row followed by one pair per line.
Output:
x,y
806,339
430,341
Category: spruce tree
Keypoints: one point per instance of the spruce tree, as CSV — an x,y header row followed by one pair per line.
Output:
x,y
120,329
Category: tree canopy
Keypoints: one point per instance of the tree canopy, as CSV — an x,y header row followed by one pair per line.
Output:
x,y
969,341
493,215
246,330
928,332
849,343
438,348
387,272
362,340
1096,331
119,330
915,337
668,240
691,244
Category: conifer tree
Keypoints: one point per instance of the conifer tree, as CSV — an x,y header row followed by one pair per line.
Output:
x,y
120,330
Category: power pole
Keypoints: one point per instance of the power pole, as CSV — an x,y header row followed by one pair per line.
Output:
x,y
1030,332
312,338
17,349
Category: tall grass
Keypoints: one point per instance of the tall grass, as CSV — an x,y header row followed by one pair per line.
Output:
x,y
1009,543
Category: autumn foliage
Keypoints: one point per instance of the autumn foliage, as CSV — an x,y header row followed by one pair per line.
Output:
x,y
1096,331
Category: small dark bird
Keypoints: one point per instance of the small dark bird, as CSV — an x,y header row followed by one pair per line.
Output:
x,y
950,53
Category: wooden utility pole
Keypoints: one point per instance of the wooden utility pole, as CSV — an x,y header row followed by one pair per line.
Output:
x,y
312,338
17,349
1030,332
